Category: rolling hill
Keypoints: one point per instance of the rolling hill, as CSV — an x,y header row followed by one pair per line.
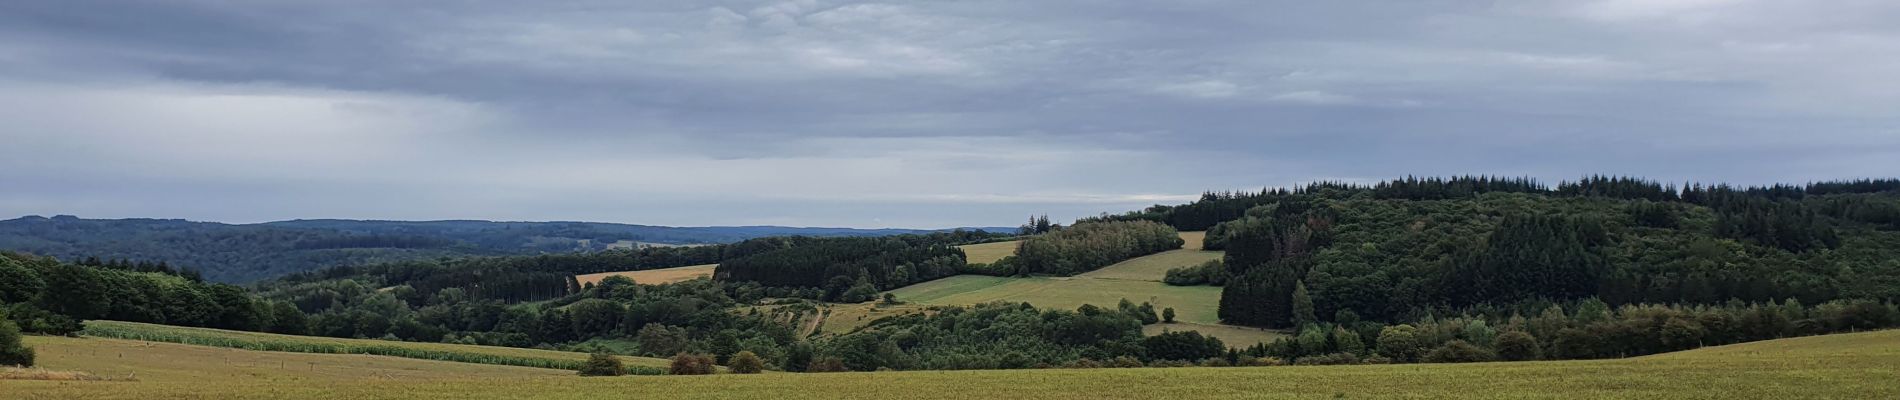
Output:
x,y
239,253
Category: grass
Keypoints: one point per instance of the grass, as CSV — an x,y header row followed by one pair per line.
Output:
x,y
1191,303
1193,239
1153,267
654,276
985,253
309,344
1847,366
844,318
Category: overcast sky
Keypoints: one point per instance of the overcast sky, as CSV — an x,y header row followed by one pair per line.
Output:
x,y
906,114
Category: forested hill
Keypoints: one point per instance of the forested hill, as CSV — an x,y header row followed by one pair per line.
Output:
x,y
1411,248
247,252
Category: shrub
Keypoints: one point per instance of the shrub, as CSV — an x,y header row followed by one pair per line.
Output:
x,y
1167,315
1459,351
1399,342
691,364
1208,273
1003,267
1184,345
1251,361
1124,362
1329,359
11,351
747,362
827,364
1519,346
603,364
1170,364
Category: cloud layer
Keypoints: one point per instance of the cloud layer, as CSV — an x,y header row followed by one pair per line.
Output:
x,y
914,114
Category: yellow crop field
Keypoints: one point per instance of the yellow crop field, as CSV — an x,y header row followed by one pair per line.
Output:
x,y
1846,366
985,253
654,276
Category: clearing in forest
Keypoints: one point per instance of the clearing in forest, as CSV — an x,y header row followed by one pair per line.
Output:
x,y
654,276
985,253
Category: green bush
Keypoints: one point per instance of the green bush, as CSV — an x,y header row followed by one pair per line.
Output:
x,y
603,364
11,351
1458,351
747,362
692,364
1519,346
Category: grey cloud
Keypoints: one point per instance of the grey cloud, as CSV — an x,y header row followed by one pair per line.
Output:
x,y
930,113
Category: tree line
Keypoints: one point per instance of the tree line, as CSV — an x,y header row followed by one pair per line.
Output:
x,y
1090,246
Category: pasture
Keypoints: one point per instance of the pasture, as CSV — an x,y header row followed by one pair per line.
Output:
x,y
654,276
1845,366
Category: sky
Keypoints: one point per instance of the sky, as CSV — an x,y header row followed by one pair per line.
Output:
x,y
919,114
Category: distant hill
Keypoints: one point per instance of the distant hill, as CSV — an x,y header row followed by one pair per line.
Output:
x,y
240,253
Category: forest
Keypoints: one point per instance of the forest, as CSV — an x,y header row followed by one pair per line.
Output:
x,y
1411,270
1399,251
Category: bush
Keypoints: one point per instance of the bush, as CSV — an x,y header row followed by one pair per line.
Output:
x,y
691,364
1124,362
1184,345
827,364
11,351
1458,351
1170,364
1399,342
747,362
1003,267
1329,359
1519,346
603,364
1208,273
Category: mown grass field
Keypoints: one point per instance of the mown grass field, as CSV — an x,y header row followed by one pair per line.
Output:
x,y
986,253
1847,366
654,276
1153,267
1137,279
311,344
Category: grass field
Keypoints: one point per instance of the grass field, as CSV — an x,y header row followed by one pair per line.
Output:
x,y
310,344
1191,303
1193,239
1137,279
986,253
654,276
1153,267
1848,366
